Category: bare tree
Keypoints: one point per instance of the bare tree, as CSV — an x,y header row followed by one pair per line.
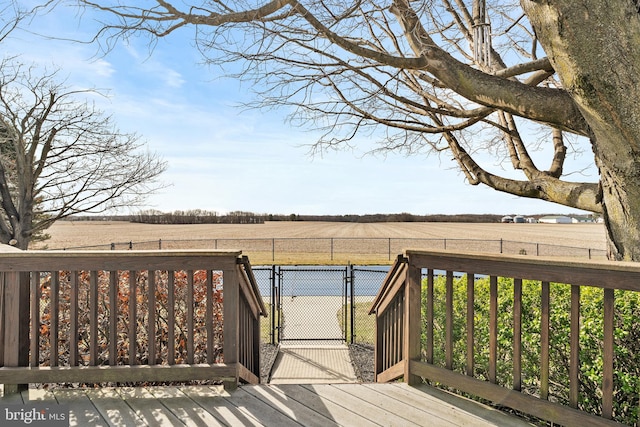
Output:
x,y
463,77
61,156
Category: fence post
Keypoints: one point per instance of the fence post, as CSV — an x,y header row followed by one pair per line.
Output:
x,y
353,303
273,250
274,307
500,245
389,248
332,249
15,323
159,243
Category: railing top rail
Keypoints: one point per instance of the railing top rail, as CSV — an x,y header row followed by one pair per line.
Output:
x,y
389,281
254,292
119,260
605,274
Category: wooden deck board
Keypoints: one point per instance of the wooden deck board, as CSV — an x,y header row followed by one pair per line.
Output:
x,y
113,408
269,405
415,412
289,406
82,412
148,408
212,399
370,411
267,414
339,414
185,408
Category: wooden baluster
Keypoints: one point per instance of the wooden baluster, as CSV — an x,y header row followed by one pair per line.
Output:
x,y
190,311
608,354
73,319
544,342
133,318
171,321
430,316
55,312
209,318
517,334
93,318
113,318
493,328
151,327
449,321
470,322
574,358
35,318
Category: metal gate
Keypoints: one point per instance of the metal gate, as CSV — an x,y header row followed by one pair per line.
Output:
x,y
317,304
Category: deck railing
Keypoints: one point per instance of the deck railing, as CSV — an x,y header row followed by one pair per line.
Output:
x,y
415,319
128,317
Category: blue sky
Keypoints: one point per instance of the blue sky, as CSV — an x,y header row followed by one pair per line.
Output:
x,y
224,158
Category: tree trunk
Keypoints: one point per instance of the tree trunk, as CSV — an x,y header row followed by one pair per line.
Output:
x,y
594,47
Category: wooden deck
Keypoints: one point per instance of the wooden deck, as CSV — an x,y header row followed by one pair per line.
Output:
x,y
393,404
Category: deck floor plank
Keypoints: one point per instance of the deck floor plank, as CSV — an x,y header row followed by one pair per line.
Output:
x,y
267,415
288,405
212,399
11,399
37,395
282,405
82,412
381,398
149,408
459,408
113,408
372,412
338,413
185,408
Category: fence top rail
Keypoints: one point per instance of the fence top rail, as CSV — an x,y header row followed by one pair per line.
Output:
x,y
605,274
184,259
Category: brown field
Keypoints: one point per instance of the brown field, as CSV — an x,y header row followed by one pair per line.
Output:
x,y
330,242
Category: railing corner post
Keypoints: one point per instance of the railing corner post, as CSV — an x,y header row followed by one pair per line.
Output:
x,y
413,322
15,323
231,330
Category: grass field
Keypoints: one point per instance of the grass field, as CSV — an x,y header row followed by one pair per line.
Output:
x,y
294,241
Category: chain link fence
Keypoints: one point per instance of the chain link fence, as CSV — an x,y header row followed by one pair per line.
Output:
x,y
341,250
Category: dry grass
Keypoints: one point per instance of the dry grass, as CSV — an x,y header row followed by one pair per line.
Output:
x,y
326,242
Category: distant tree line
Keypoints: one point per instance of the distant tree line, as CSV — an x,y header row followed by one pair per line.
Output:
x,y
200,216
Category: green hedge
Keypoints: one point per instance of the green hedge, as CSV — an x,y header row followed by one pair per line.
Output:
x,y
626,343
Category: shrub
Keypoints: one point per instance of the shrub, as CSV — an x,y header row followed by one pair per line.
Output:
x,y
626,340
123,302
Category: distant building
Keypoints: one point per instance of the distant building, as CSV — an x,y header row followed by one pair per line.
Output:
x,y
519,219
506,219
582,219
555,219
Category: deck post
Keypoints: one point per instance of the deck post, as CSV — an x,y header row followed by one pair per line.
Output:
x,y
412,321
231,330
15,323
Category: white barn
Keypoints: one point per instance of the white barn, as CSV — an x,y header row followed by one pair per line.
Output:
x,y
555,219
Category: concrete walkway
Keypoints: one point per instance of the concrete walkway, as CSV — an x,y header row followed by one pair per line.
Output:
x,y
298,361
313,365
